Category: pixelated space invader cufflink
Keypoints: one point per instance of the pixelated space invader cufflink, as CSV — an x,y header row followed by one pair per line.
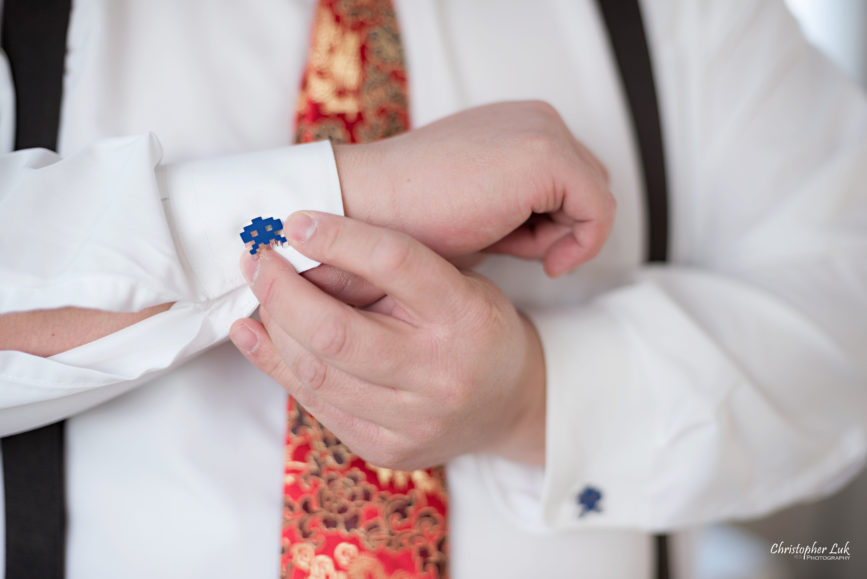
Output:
x,y
263,232
589,499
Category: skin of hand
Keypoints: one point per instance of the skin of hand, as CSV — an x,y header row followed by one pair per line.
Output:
x,y
441,366
469,181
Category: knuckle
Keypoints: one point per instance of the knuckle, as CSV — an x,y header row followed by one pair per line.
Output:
x,y
487,312
367,435
457,395
267,290
393,454
273,366
544,144
392,253
329,337
328,239
310,371
429,431
545,118
453,390
306,398
543,109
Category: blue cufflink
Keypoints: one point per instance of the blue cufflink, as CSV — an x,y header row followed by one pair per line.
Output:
x,y
263,232
589,499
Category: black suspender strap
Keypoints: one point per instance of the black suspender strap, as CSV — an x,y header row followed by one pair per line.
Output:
x,y
33,36
629,44
33,479
661,548
34,39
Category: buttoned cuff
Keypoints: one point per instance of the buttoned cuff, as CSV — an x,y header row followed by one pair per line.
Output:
x,y
119,255
595,465
210,201
591,407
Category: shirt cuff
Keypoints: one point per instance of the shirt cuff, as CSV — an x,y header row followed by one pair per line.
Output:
x,y
650,424
596,466
583,485
207,203
210,201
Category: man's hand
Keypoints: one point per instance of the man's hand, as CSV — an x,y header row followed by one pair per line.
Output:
x,y
441,366
475,179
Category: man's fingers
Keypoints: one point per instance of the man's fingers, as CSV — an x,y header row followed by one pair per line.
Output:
x,y
566,254
561,247
255,344
380,404
532,240
583,242
420,280
591,217
361,344
346,287
251,339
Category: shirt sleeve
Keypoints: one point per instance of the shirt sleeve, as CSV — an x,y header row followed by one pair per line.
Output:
x,y
733,381
113,229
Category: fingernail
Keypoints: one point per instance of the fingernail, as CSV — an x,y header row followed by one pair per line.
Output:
x,y
249,266
244,339
300,227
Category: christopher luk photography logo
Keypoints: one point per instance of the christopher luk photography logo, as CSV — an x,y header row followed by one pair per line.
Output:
x,y
814,551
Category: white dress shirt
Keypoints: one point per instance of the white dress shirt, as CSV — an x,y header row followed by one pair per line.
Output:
x,y
727,383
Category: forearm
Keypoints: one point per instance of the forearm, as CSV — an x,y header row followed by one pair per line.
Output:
x,y
49,332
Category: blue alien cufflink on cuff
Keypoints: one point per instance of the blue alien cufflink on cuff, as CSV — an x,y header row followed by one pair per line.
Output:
x,y
263,232
589,499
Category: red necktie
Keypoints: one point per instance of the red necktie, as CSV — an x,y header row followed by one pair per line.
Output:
x,y
342,517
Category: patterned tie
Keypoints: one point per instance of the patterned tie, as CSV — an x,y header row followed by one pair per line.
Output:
x,y
342,517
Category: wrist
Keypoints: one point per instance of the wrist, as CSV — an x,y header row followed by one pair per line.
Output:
x,y
525,440
378,188
360,172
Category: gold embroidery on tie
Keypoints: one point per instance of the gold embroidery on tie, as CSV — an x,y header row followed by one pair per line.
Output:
x,y
354,87
337,71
